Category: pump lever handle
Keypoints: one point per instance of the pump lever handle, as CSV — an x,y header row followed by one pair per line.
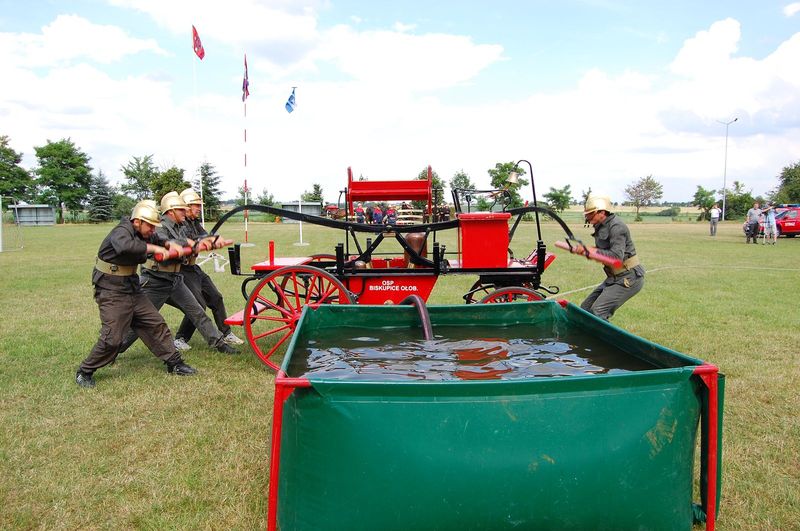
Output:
x,y
593,255
171,254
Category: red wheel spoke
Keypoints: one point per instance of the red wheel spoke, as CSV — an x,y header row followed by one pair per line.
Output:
x,y
294,286
324,296
273,331
272,318
280,342
282,295
312,287
296,291
272,305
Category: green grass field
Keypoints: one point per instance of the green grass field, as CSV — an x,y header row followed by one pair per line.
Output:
x,y
150,451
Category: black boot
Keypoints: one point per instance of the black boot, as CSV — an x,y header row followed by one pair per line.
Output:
x,y
84,379
225,348
180,368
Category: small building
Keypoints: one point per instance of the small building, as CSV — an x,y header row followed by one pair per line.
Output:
x,y
313,208
34,215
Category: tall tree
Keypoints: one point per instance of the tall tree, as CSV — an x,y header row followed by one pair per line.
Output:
x,y
122,205
499,179
704,200
644,192
265,198
461,181
101,199
15,181
437,186
211,191
559,198
585,195
169,180
314,196
63,173
140,173
738,201
789,187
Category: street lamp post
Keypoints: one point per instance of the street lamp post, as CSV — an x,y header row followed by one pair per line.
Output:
x,y
725,167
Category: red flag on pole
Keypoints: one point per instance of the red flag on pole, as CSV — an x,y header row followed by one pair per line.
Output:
x,y
245,81
198,46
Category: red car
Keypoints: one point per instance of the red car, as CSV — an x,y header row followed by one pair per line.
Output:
x,y
788,220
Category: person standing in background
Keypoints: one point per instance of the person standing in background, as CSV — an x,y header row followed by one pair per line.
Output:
x,y
751,224
770,225
714,217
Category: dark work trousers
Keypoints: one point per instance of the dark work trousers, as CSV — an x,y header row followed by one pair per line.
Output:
x,y
121,312
170,289
612,293
207,294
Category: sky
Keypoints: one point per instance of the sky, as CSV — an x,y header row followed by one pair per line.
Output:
x,y
594,93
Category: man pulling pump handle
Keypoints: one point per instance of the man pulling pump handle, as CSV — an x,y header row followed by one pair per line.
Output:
x,y
197,280
122,303
162,282
613,239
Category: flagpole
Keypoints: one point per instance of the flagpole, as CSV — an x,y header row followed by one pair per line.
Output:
x,y
300,211
245,92
194,100
246,216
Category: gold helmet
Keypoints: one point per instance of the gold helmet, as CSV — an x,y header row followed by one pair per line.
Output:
x,y
190,197
171,201
146,210
597,202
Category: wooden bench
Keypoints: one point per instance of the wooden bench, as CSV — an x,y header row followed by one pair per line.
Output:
x,y
237,319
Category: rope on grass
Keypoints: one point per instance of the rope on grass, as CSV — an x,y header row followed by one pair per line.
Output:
x,y
655,270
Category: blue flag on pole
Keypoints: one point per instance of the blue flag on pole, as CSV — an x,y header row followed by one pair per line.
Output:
x,y
290,103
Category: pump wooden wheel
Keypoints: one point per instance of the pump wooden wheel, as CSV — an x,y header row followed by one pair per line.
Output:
x,y
512,294
276,303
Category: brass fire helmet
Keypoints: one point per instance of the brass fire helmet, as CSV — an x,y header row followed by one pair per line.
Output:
x,y
190,197
146,210
171,201
597,202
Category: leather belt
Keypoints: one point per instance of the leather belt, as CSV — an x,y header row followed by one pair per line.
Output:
x,y
627,265
152,265
114,269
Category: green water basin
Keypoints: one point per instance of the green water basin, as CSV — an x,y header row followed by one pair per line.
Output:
x,y
599,451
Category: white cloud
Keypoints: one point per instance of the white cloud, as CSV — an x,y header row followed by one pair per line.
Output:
x,y
791,9
403,28
234,22
708,51
386,110
399,61
71,38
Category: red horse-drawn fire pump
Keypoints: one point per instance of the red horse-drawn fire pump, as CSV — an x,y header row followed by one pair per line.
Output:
x,y
279,288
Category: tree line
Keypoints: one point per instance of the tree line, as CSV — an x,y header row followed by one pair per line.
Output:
x,y
63,177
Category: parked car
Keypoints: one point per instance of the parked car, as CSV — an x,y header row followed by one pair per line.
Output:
x,y
788,220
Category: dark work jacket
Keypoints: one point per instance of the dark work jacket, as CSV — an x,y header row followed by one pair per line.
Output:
x,y
122,246
613,238
194,229
172,232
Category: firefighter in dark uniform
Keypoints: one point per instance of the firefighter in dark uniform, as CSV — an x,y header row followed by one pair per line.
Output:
x,y
198,282
613,239
162,282
122,303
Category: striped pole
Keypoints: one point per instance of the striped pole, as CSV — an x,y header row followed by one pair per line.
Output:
x,y
245,212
